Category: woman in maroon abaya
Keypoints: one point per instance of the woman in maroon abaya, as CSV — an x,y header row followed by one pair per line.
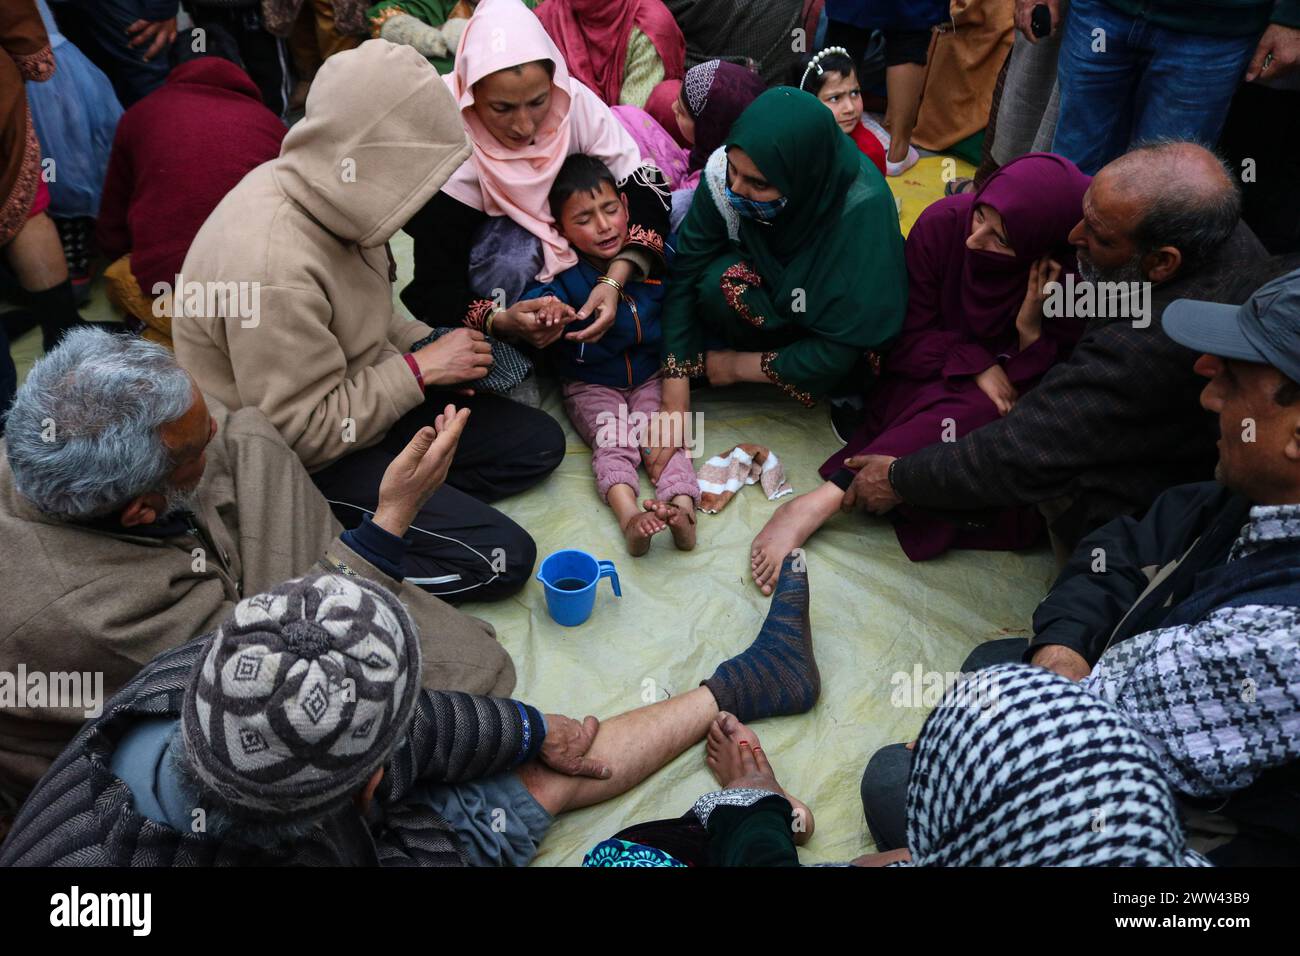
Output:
x,y
974,340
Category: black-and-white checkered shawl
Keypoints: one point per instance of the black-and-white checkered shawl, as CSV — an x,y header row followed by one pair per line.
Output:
x,y
1217,699
1022,767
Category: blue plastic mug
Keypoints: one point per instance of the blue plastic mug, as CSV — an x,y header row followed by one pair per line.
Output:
x,y
569,578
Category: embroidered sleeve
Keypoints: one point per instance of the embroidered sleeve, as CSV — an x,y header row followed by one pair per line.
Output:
x,y
38,66
736,279
673,367
802,397
383,16
649,200
644,236
477,315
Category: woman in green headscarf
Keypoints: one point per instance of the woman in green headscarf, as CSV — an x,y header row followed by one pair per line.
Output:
x,y
789,266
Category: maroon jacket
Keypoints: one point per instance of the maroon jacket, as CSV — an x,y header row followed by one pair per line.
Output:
x,y
176,154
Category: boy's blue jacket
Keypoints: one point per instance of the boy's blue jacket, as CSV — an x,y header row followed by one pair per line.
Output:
x,y
626,355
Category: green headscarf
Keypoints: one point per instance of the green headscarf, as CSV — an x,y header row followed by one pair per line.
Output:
x,y
794,140
831,280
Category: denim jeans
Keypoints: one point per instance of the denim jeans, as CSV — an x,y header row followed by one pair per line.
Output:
x,y
1148,83
98,27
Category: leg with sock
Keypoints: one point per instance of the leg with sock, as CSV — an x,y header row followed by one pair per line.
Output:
x,y
778,674
36,257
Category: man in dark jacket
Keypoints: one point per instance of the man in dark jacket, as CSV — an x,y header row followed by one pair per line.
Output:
x,y
1189,619
1116,423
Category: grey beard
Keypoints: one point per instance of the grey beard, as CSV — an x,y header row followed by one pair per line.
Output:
x,y
178,500
1130,271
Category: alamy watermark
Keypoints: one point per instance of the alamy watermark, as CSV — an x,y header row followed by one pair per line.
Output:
x,y
75,690
1082,299
921,688
130,910
209,300
631,429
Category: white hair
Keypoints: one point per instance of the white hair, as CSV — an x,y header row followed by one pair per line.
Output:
x,y
83,434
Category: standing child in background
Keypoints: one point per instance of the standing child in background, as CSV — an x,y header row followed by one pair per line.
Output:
x,y
831,77
614,379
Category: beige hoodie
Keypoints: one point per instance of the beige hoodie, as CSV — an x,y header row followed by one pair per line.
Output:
x,y
317,345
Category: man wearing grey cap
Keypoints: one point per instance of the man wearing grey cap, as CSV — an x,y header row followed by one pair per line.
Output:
x,y
1188,620
1199,602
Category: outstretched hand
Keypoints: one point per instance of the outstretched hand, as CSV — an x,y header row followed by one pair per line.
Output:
x,y
566,745
418,471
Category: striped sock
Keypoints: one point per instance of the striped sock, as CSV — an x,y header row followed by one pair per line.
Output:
x,y
777,675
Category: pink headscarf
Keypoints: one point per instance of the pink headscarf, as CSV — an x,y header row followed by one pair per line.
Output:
x,y
594,36
515,182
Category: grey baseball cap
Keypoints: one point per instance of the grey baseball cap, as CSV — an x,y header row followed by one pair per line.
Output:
x,y
1266,329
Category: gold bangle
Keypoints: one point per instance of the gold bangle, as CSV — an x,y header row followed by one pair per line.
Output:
x,y
487,326
618,286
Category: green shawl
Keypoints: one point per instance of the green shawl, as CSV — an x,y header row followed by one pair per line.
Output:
x,y
830,263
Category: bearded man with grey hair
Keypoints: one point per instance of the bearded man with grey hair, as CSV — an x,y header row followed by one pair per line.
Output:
x,y
135,513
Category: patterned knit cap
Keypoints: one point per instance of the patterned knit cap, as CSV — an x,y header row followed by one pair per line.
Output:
x,y
1022,767
302,694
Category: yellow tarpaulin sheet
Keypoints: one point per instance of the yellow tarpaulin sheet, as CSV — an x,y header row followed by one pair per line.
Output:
x,y
874,614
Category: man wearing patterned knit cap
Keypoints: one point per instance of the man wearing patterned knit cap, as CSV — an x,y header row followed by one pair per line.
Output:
x,y
298,734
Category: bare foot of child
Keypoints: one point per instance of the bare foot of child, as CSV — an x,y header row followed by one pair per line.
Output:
x,y
722,754
679,515
638,530
789,527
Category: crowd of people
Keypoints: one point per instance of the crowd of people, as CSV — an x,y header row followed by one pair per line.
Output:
x,y
250,509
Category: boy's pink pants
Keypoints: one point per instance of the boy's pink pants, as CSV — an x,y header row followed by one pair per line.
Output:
x,y
615,461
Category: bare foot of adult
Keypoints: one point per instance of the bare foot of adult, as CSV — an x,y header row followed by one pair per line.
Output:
x,y
789,527
679,515
722,755
638,531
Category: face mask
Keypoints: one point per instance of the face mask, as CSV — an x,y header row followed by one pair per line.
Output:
x,y
761,211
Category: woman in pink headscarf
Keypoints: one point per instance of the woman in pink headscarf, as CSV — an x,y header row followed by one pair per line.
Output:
x,y
524,114
621,49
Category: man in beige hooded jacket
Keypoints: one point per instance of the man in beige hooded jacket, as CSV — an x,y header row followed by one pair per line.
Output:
x,y
309,334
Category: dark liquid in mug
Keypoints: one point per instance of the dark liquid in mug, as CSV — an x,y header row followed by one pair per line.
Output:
x,y
571,584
